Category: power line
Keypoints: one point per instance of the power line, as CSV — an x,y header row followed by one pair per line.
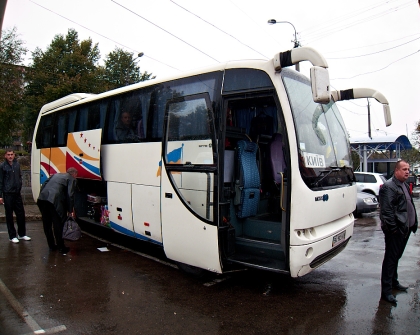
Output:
x,y
211,24
129,10
341,22
267,32
370,45
350,15
362,74
328,31
110,39
377,52
342,107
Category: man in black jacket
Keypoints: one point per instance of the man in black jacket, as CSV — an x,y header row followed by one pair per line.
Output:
x,y
56,203
10,187
398,219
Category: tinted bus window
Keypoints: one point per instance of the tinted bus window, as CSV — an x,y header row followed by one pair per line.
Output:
x,y
245,79
205,83
61,129
44,132
127,117
82,119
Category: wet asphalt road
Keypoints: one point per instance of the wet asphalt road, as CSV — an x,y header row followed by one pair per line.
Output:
x,y
121,292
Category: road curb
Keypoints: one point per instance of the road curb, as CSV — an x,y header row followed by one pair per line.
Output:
x,y
27,218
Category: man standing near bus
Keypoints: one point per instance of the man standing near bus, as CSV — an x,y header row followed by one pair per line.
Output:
x,y
10,187
56,203
398,219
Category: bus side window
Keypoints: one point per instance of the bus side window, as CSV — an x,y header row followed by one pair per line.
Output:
x,y
82,119
140,129
128,114
159,98
60,138
94,117
43,139
109,133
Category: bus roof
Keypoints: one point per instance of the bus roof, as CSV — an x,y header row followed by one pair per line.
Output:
x,y
69,99
76,97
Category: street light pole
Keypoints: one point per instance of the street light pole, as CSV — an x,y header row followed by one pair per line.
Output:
x,y
296,43
140,54
133,62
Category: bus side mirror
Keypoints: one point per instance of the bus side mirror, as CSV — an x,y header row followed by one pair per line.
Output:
x,y
320,82
387,115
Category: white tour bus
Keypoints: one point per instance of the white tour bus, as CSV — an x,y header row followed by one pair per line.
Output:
x,y
243,164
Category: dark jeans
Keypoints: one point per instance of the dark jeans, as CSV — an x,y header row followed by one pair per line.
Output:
x,y
13,203
394,248
53,224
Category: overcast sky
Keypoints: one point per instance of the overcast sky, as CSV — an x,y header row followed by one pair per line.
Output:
x,y
367,43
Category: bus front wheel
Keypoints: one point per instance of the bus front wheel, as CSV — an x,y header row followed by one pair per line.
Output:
x,y
191,270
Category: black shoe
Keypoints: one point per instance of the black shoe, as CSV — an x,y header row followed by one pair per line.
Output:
x,y
53,248
390,298
64,250
399,287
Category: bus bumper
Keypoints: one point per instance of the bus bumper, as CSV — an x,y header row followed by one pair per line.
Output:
x,y
305,259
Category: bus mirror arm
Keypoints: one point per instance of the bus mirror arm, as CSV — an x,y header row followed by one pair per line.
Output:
x,y
294,56
356,93
320,80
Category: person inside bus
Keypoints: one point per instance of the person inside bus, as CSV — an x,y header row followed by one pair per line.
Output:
x,y
124,131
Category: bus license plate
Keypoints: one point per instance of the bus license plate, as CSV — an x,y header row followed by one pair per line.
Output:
x,y
337,239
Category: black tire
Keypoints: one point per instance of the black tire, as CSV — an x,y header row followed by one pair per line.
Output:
x,y
191,270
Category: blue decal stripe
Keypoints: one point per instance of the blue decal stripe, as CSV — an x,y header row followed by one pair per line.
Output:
x,y
90,167
130,233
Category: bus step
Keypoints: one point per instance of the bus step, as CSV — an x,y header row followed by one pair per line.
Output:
x,y
258,248
262,230
258,261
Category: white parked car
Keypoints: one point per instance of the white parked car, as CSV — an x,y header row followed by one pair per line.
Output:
x,y
369,182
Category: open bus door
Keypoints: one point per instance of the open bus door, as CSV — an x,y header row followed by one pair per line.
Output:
x,y
188,183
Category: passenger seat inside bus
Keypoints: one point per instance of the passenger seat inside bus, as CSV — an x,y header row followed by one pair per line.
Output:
x,y
277,160
247,182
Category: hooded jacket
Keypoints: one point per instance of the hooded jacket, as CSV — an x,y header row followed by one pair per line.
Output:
x,y
10,177
393,208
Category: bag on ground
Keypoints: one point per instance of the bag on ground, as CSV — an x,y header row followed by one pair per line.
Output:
x,y
71,230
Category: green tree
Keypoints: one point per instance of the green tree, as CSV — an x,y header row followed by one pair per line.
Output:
x,y
412,156
12,73
416,134
121,69
67,66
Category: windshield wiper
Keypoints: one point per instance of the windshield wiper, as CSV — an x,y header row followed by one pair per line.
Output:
x,y
327,173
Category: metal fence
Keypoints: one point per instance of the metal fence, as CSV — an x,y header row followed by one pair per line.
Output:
x,y
26,187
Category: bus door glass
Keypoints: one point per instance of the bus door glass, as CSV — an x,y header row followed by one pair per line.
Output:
x,y
188,183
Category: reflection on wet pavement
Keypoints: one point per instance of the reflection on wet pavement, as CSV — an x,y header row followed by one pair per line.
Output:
x,y
120,292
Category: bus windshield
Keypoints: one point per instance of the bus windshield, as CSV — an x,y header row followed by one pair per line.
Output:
x,y
323,145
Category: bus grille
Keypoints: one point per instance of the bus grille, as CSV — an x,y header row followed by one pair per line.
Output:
x,y
321,259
